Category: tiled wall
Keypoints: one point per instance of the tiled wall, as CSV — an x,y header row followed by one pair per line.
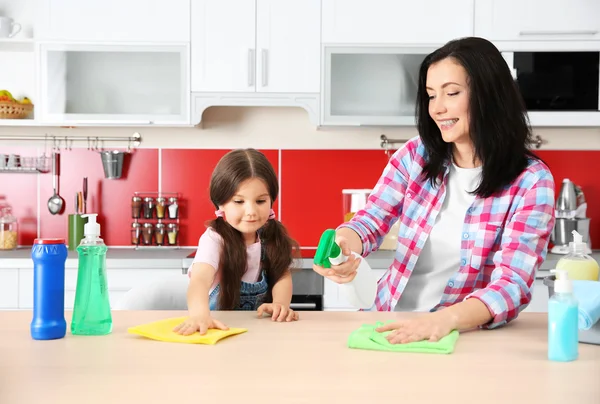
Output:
x,y
310,199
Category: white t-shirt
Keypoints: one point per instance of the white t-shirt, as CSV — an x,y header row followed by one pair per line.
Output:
x,y
440,256
209,252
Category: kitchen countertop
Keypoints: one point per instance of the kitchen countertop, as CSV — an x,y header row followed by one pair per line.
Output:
x,y
301,362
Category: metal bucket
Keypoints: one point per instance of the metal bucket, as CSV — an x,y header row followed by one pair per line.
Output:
x,y
591,336
112,162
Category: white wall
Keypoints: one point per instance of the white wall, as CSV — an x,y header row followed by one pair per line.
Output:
x,y
281,128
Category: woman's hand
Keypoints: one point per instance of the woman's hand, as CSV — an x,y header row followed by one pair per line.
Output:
x,y
346,271
200,324
278,312
429,326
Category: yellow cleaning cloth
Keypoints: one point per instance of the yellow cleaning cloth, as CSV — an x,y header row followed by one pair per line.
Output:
x,y
163,331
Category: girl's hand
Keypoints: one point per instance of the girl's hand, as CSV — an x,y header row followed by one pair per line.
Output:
x,y
346,271
278,312
429,326
200,324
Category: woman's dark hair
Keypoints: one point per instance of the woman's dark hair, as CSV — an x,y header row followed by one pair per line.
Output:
x,y
234,168
499,126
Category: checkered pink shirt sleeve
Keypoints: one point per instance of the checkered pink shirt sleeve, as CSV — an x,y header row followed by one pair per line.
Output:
x,y
505,236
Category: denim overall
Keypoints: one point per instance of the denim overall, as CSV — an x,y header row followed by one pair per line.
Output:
x,y
252,295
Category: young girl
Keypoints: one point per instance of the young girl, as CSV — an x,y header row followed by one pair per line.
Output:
x,y
244,257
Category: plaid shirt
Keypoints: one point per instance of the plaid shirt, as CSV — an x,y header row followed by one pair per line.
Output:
x,y
504,237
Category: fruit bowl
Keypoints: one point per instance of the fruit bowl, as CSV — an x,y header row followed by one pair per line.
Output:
x,y
14,110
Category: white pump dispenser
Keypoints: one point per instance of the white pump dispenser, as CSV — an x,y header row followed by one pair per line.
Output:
x,y
91,228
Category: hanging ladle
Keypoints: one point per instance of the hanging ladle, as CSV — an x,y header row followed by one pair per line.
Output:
x,y
56,202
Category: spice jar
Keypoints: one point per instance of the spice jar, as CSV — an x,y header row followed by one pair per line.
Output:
x,y
9,234
136,207
159,233
161,206
147,233
148,207
173,208
136,232
172,232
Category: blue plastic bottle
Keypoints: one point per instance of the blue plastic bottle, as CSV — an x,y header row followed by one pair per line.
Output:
x,y
563,311
49,256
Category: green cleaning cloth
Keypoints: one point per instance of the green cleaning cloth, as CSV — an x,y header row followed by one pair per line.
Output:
x,y
367,338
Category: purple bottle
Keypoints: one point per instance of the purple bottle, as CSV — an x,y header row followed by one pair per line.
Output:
x,y
49,256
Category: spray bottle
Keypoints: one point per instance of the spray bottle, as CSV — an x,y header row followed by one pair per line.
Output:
x,y
362,290
91,312
577,263
563,320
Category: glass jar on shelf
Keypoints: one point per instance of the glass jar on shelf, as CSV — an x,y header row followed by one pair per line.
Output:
x,y
136,233
149,206
136,207
173,208
159,233
9,233
147,231
161,206
172,233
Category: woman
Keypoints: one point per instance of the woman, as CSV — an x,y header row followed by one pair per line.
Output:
x,y
476,206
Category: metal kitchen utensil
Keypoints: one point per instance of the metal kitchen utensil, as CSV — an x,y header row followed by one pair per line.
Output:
x,y
566,203
85,193
112,162
56,203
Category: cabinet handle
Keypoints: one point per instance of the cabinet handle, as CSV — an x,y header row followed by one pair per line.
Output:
x,y
251,67
265,67
573,32
309,306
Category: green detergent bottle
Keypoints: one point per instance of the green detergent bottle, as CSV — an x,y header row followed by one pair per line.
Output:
x,y
362,290
91,312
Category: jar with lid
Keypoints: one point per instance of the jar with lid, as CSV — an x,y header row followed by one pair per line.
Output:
x,y
172,232
161,206
9,234
173,208
136,233
147,233
149,205
136,207
159,233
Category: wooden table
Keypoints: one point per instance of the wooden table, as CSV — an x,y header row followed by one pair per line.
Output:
x,y
302,362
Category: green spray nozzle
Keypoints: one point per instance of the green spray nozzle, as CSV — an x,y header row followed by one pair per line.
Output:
x,y
326,249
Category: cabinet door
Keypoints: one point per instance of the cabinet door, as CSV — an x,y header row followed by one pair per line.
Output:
x,y
114,84
9,288
223,45
539,299
288,38
115,20
396,21
540,20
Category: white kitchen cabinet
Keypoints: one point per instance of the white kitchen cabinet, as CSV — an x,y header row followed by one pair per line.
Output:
x,y
370,85
118,84
120,281
265,46
396,21
9,291
114,20
539,299
538,20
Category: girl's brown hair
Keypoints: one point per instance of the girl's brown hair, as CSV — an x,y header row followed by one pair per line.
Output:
x,y
280,249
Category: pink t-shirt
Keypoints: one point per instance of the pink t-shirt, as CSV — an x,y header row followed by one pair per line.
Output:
x,y
209,252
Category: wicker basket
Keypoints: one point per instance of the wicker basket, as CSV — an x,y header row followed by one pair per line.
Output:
x,y
14,110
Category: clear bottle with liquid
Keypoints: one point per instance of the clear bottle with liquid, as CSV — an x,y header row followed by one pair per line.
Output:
x,y
577,263
362,290
91,312
563,320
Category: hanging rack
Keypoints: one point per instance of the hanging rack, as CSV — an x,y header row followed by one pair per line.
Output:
x,y
387,144
135,140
